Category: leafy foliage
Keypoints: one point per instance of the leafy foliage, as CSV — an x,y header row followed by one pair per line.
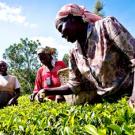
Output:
x,y
51,118
66,58
98,7
23,63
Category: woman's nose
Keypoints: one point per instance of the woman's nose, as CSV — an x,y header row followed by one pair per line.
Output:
x,y
2,66
63,36
63,27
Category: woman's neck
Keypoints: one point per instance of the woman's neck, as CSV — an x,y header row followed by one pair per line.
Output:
x,y
50,66
83,39
3,74
83,36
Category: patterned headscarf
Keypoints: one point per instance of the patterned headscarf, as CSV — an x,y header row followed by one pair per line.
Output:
x,y
46,49
49,50
3,61
77,10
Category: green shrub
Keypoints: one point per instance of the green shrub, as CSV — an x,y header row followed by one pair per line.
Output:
x,y
51,118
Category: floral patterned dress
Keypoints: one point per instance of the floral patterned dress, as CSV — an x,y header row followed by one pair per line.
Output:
x,y
105,62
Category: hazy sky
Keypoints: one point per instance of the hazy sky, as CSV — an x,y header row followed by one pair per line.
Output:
x,y
35,19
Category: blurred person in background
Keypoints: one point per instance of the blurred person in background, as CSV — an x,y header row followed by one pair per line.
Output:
x,y
9,87
47,74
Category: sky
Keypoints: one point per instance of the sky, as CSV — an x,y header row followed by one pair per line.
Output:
x,y
35,19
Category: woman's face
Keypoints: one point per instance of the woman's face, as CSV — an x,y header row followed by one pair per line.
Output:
x,y
45,58
69,29
3,67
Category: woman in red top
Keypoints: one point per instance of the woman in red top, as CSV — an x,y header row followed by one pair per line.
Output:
x,y
47,74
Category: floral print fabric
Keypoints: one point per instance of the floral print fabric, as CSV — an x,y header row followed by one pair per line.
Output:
x,y
105,62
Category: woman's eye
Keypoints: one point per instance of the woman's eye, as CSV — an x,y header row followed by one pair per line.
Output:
x,y
59,27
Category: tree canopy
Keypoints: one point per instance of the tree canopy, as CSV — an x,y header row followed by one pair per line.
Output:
x,y
22,60
98,8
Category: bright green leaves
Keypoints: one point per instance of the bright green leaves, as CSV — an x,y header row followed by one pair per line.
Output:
x,y
51,118
90,129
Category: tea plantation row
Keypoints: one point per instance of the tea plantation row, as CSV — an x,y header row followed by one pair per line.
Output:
x,y
51,118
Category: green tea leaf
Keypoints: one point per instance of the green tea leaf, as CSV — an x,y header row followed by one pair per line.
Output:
x,y
91,129
116,128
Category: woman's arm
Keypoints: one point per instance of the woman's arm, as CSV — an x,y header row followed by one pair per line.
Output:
x,y
13,100
126,43
62,90
131,101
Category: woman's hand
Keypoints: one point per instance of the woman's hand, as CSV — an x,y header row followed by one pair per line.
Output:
x,y
32,96
12,101
131,102
41,95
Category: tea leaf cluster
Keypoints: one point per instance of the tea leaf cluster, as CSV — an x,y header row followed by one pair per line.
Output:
x,y
51,118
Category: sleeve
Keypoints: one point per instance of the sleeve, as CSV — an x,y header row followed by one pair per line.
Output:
x,y
60,64
17,84
74,75
121,38
38,82
63,64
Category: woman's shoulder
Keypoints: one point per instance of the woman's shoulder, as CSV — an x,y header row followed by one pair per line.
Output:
x,y
107,19
60,63
41,68
12,76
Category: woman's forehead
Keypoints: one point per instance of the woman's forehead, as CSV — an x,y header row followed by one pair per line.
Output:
x,y
69,19
3,63
61,21
43,54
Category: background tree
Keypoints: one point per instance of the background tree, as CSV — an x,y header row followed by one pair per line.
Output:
x,y
98,8
66,59
22,60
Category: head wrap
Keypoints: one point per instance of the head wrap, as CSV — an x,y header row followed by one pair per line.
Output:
x,y
46,49
49,50
77,10
40,50
3,61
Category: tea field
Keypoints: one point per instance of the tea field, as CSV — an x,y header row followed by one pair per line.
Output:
x,y
51,118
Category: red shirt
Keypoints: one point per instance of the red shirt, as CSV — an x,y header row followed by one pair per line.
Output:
x,y
48,79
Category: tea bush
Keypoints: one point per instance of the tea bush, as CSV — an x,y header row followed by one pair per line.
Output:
x,y
51,118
